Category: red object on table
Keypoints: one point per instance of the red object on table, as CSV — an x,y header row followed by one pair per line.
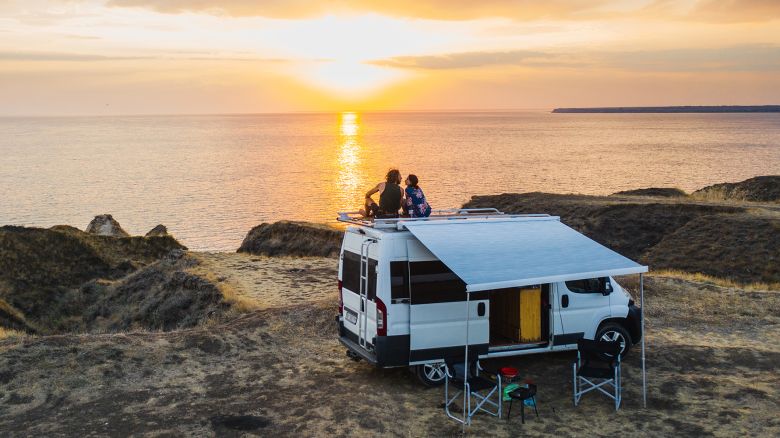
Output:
x,y
509,372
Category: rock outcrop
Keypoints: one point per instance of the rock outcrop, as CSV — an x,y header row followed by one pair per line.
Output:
x,y
106,225
661,192
286,238
758,189
159,230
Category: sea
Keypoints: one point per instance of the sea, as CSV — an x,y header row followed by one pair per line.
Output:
x,y
211,178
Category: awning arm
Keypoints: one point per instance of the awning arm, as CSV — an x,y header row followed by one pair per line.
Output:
x,y
644,336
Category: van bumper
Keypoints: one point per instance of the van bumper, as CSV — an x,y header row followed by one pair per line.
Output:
x,y
634,320
357,349
351,341
388,352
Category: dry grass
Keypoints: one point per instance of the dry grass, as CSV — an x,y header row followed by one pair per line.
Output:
x,y
6,333
757,189
738,241
42,270
239,303
711,353
260,282
289,238
704,278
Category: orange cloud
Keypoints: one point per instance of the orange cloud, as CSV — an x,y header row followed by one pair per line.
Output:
x,y
701,10
430,9
747,57
733,11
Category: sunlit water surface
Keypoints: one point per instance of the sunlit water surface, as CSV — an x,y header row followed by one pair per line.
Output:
x,y
211,178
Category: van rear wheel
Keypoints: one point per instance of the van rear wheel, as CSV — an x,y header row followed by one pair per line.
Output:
x,y
431,374
612,332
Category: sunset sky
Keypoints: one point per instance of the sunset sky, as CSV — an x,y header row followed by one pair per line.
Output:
x,y
234,56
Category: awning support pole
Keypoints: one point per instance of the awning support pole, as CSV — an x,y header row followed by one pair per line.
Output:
x,y
644,336
466,395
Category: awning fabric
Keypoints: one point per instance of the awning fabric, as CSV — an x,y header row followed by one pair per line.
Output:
x,y
512,252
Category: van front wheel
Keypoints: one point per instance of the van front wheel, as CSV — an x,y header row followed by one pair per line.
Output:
x,y
431,374
611,332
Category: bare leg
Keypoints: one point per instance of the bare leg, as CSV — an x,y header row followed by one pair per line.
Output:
x,y
367,211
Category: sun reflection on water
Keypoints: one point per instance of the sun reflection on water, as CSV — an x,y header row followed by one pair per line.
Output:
x,y
348,160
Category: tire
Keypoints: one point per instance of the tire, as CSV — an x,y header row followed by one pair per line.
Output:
x,y
613,331
432,374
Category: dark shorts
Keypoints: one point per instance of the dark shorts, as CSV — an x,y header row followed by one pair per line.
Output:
x,y
372,210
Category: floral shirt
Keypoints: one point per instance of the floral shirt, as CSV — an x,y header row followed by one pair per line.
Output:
x,y
416,204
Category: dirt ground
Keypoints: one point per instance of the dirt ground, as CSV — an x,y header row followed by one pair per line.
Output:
x,y
712,359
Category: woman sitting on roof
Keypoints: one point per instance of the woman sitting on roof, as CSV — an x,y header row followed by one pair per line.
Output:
x,y
390,195
415,204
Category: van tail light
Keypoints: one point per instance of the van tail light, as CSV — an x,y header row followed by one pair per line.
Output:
x,y
341,299
381,317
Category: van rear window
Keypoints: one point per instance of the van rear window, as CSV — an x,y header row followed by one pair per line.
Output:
x,y
350,274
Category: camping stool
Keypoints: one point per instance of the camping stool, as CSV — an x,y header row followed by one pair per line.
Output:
x,y
523,394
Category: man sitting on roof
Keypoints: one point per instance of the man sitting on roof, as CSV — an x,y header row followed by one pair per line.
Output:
x,y
390,195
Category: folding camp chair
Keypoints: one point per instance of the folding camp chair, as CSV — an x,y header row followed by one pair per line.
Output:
x,y
597,360
480,388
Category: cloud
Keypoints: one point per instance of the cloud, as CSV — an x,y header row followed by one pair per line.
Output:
x,y
749,57
725,11
738,58
56,56
182,56
430,9
736,10
714,11
461,60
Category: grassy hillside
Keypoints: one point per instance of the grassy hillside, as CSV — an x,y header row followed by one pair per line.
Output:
x,y
731,242
49,277
758,189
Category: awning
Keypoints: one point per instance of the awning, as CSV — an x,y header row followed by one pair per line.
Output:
x,y
502,253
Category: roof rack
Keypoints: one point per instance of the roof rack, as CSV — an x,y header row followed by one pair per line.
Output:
x,y
355,218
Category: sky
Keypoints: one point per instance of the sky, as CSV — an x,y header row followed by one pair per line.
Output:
x,y
106,57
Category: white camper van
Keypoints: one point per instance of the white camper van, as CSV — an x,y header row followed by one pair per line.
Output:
x,y
413,291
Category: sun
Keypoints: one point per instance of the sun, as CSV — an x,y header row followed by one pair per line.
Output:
x,y
351,78
338,53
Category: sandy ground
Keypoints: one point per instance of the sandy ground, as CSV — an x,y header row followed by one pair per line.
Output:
x,y
712,359
274,281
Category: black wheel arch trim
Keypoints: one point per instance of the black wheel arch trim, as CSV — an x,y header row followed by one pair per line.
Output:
x,y
632,324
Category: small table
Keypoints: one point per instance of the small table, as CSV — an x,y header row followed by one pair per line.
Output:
x,y
522,394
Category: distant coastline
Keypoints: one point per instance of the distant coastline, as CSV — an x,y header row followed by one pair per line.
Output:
x,y
675,109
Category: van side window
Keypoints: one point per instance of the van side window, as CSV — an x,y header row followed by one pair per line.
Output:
x,y
399,280
434,282
350,274
588,285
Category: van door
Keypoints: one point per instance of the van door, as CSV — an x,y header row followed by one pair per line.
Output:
x,y
359,281
581,306
438,313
